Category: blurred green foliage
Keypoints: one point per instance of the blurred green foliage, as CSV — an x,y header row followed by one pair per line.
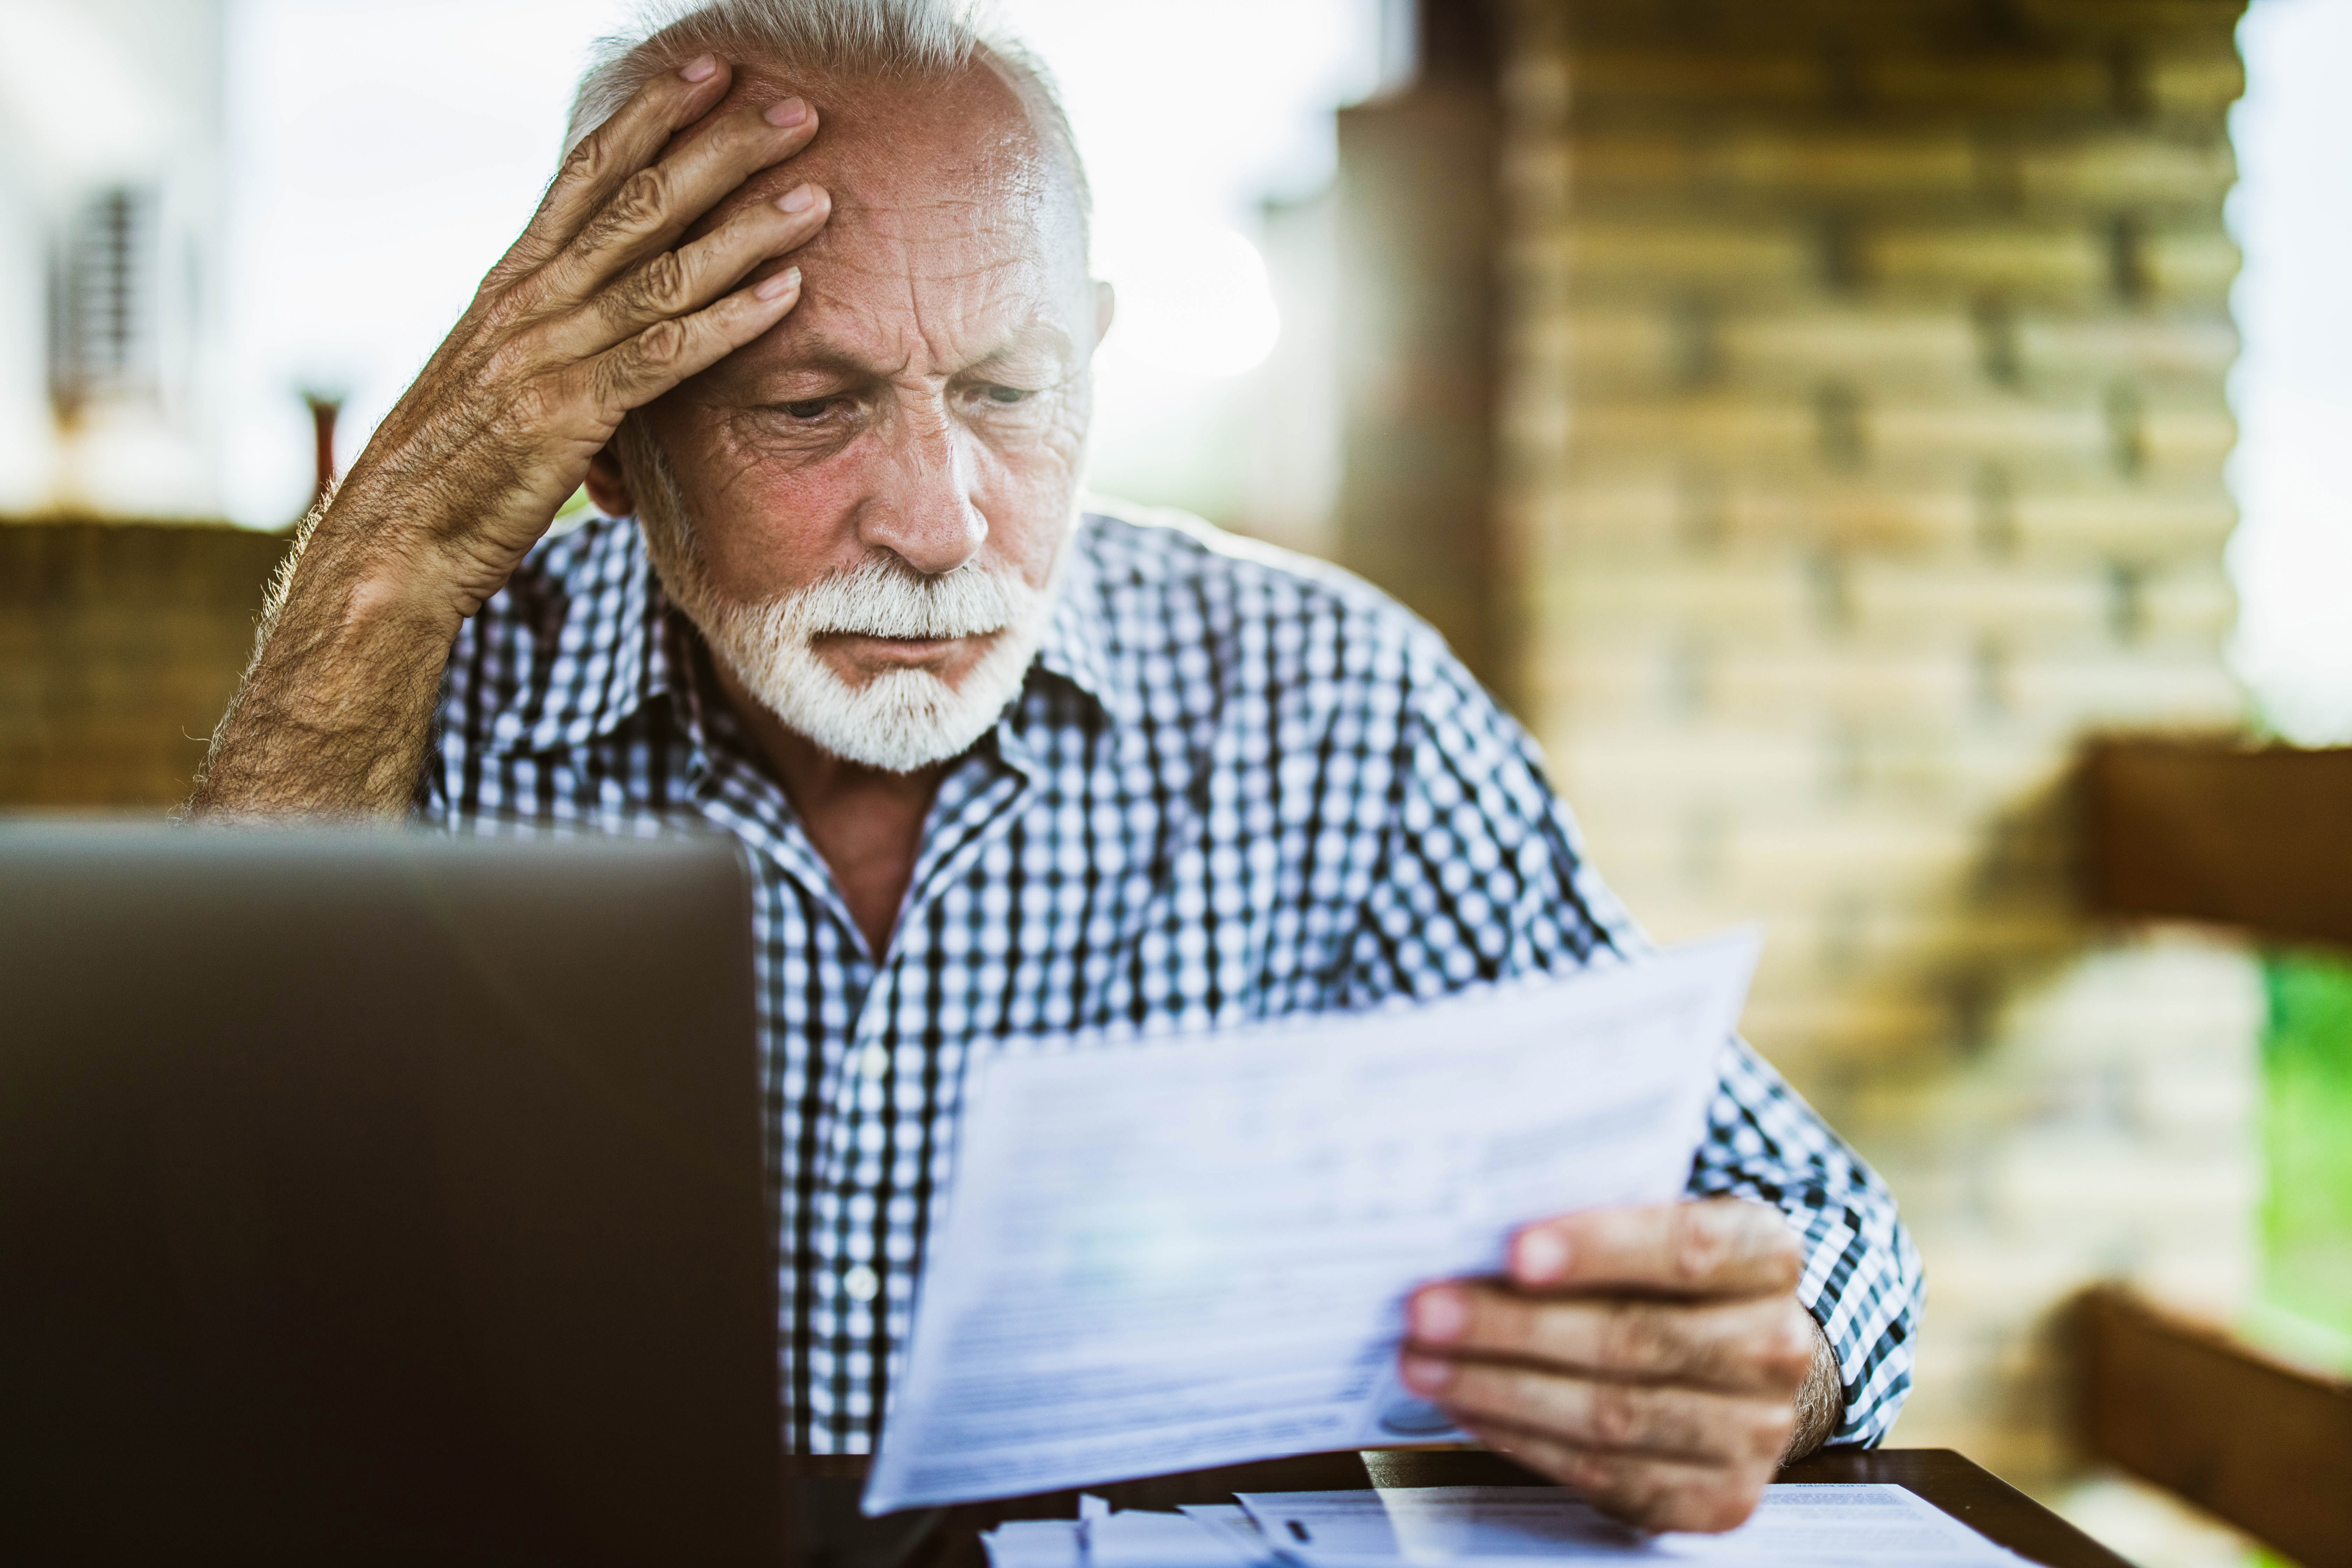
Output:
x,y
2307,1134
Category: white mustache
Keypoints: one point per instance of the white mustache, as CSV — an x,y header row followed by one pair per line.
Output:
x,y
882,598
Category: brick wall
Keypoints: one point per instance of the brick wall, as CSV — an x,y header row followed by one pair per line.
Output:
x,y
119,644
1862,438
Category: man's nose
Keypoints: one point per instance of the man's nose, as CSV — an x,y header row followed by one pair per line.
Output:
x,y
920,509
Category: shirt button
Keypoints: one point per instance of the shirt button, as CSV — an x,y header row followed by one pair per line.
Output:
x,y
874,1062
861,1283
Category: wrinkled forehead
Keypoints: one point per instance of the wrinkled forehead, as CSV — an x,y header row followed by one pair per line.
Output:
x,y
942,177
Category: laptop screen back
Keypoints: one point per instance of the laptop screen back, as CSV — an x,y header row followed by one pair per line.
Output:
x,y
372,1198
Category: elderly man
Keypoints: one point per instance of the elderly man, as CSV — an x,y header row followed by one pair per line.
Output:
x,y
807,309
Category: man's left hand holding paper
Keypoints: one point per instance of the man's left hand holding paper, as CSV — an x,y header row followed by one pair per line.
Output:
x,y
1655,1359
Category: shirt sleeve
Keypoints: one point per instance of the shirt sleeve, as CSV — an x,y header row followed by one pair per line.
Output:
x,y
1484,878
1863,1281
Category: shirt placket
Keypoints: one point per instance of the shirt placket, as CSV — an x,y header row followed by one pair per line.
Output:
x,y
889,1097
893,1138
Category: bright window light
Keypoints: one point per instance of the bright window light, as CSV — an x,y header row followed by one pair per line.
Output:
x,y
1192,302
2291,213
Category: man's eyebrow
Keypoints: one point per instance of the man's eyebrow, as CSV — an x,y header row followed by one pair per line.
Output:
x,y
1037,336
816,355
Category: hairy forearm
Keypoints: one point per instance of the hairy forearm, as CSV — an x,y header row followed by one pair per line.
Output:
x,y
591,315
335,712
1820,1403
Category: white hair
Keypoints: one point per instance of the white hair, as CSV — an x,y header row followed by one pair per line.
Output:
x,y
888,40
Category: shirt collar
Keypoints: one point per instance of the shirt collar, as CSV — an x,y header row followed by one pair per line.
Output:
x,y
600,617
593,613
1074,646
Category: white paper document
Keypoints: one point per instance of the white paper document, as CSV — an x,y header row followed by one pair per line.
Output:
x,y
1158,1257
1137,1539
1801,1526
1035,1543
1233,1524
1221,1536
1814,1526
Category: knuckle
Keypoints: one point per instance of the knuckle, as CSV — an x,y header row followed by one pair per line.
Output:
x,y
597,150
1614,1414
1634,1336
640,202
663,284
1699,1242
586,160
662,344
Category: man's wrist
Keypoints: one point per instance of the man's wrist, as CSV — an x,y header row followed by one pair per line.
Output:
x,y
334,715
1821,1402
376,577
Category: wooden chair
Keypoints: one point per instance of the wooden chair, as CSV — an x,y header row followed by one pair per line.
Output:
x,y
2259,838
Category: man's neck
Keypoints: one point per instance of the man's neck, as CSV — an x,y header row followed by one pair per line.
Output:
x,y
866,824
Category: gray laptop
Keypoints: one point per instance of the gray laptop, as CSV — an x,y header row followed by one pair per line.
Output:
x,y
368,1197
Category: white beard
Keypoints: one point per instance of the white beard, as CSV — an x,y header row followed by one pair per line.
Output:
x,y
898,721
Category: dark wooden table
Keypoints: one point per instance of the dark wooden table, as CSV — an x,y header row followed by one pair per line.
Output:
x,y
951,1538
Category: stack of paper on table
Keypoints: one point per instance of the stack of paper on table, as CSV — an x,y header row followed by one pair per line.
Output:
x,y
1812,1526
1160,1256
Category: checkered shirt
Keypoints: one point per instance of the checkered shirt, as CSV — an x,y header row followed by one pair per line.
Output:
x,y
1236,785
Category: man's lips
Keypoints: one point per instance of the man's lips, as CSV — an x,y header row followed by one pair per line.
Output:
x,y
908,652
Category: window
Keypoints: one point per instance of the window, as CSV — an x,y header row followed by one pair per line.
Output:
x,y
103,305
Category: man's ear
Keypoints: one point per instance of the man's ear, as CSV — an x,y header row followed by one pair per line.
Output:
x,y
1106,307
608,487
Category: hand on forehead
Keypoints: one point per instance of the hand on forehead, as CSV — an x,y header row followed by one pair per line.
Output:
x,y
954,232
936,161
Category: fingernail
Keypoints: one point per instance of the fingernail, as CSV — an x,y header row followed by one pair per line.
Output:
x,y
1440,1314
790,111
1540,1257
799,199
781,284
702,69
1426,1374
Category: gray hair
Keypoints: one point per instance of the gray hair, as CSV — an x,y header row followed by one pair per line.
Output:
x,y
882,39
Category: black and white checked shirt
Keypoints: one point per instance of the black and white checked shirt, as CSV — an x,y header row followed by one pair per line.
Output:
x,y
1237,784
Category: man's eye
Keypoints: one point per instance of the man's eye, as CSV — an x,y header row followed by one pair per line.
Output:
x,y
809,408
1008,394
